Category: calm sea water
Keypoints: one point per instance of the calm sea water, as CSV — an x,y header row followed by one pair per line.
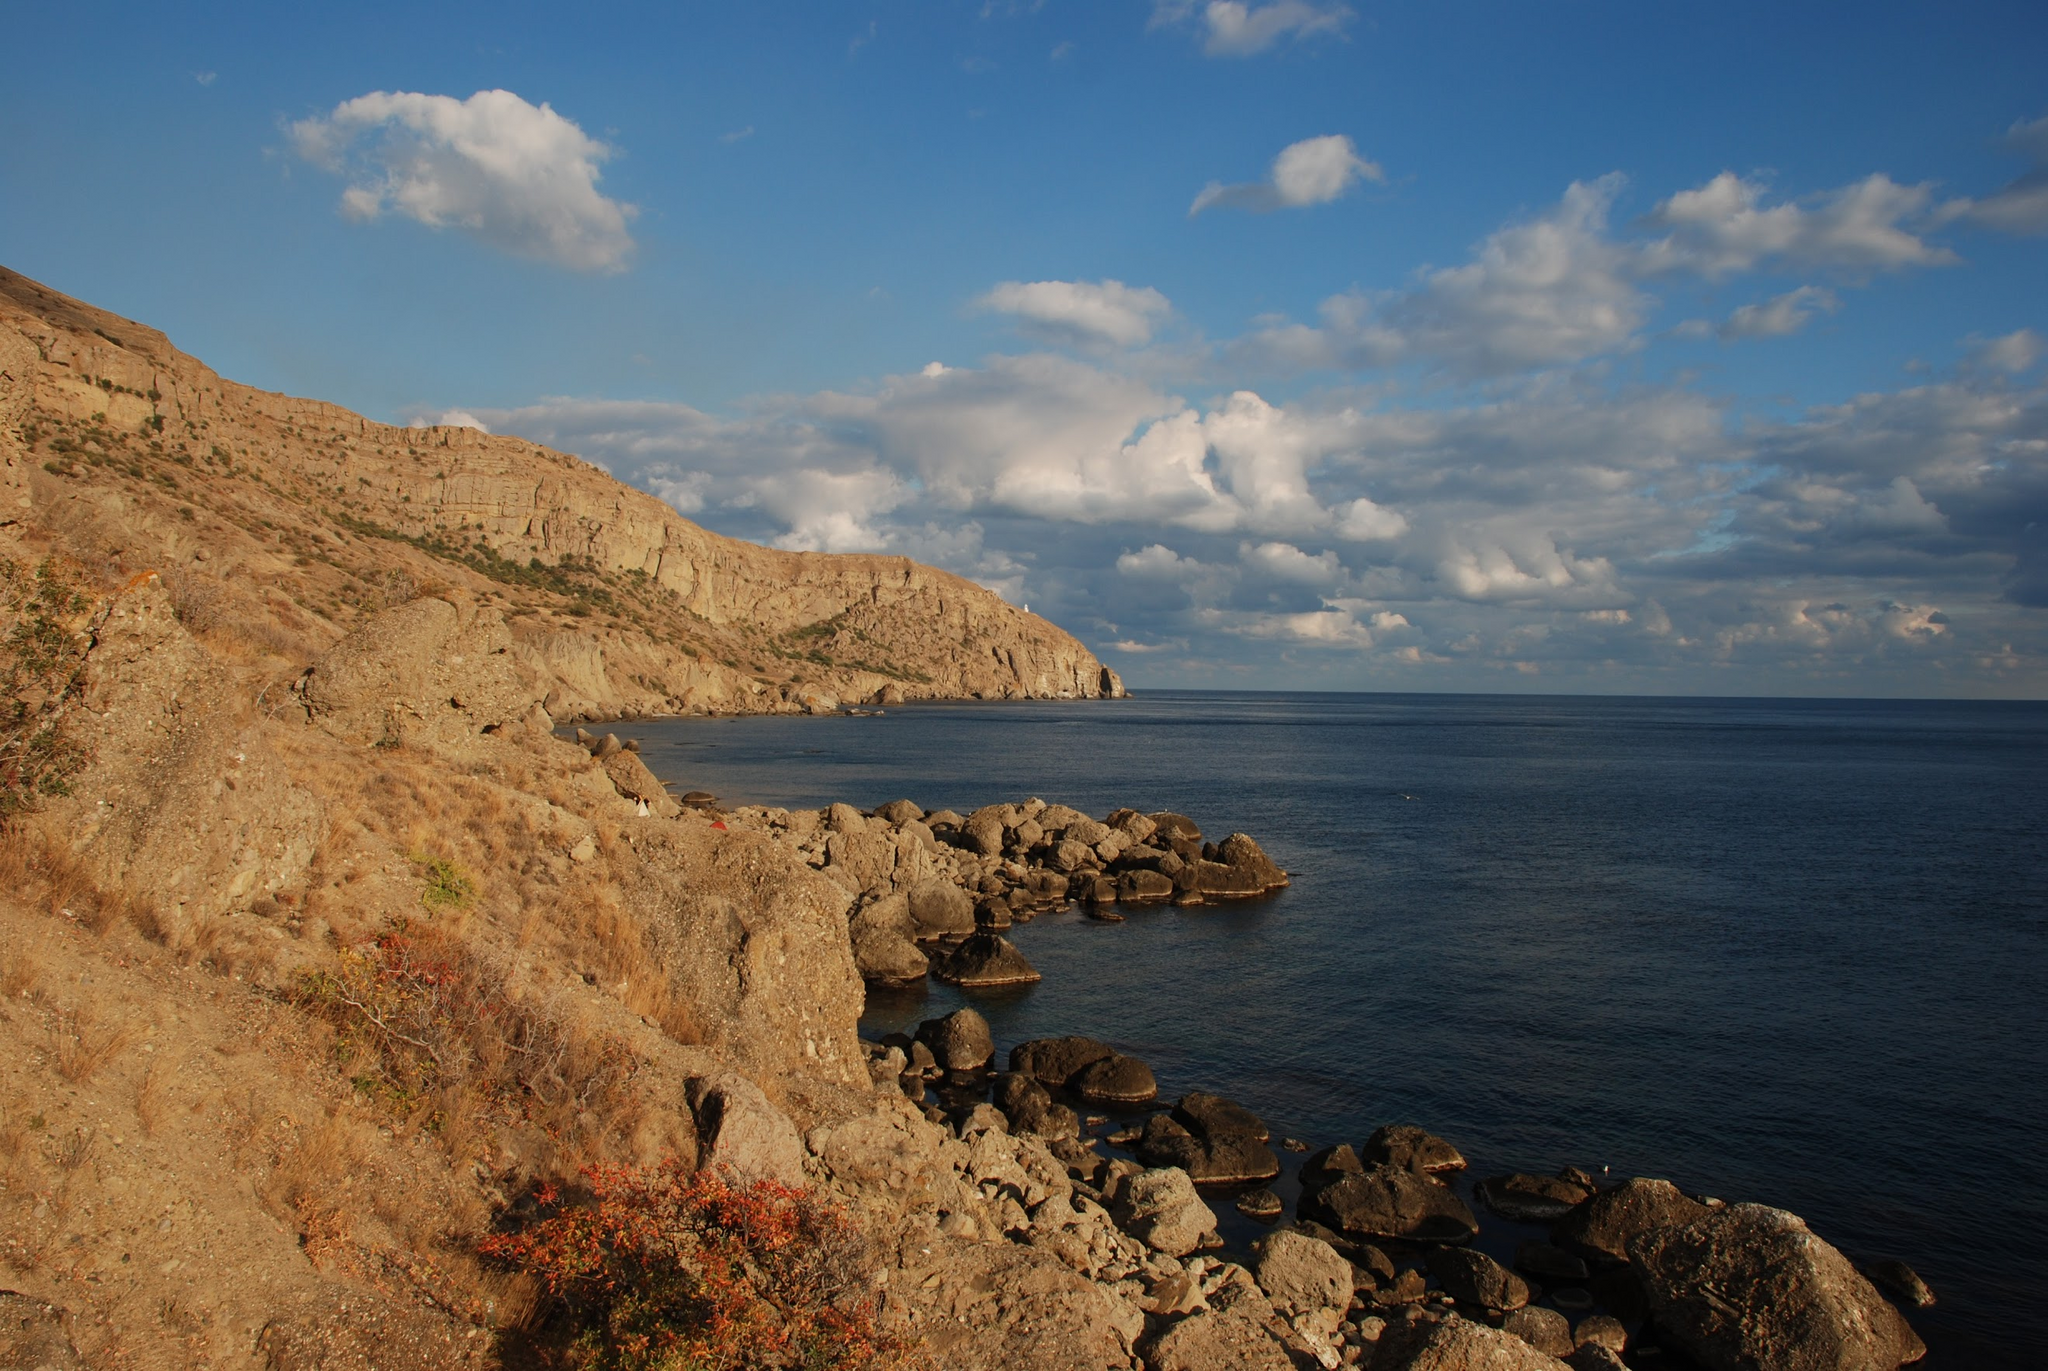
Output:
x,y
1776,950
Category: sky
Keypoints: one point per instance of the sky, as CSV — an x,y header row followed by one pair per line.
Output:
x,y
1263,344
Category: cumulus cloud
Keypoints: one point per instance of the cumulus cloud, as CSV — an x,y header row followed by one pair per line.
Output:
x,y
2022,206
1231,28
517,176
2014,352
1314,171
1086,312
1724,226
1781,315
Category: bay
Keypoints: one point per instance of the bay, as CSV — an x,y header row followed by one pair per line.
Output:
x,y
1790,951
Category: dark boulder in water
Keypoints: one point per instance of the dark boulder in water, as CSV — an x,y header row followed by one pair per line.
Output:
x,y
1523,1198
1603,1227
986,959
1391,1202
1221,1159
1901,1282
1751,1288
1055,1061
1473,1278
958,1042
1209,1115
1116,1079
1410,1148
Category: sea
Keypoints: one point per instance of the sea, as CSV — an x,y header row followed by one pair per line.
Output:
x,y
1782,950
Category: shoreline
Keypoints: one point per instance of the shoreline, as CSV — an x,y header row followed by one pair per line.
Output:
x,y
1108,1141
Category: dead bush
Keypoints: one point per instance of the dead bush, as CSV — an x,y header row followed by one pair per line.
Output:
x,y
420,1014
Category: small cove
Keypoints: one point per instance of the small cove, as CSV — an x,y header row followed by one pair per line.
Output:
x,y
1787,951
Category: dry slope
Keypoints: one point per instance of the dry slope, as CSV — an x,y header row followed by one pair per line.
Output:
x,y
299,517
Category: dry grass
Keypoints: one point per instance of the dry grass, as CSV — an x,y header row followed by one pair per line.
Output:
x,y
85,1045
150,1101
40,870
21,975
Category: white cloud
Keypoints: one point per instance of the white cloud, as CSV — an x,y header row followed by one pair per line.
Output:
x,y
1101,312
1231,28
1286,562
1779,316
1155,561
2022,206
2015,352
1313,171
1362,521
517,176
1724,226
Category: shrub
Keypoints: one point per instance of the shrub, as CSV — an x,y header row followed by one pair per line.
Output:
x,y
42,666
661,1270
424,1016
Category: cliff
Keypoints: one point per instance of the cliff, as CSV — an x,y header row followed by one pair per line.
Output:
x,y
305,517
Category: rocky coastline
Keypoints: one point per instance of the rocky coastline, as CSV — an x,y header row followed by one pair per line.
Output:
x,y
1060,1147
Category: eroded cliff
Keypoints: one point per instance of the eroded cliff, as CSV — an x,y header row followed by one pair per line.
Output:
x,y
305,516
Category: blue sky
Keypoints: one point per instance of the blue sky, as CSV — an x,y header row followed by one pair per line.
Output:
x,y
1284,343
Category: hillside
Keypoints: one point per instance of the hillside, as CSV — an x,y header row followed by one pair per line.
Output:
x,y
297,518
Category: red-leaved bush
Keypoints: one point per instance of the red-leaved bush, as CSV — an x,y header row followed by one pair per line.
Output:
x,y
667,1271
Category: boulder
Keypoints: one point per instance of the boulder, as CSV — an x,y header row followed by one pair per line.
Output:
x,y
1604,1227
1390,1202
1412,1149
1751,1288
844,818
1591,1356
1143,887
1169,825
1603,1329
1207,1115
1456,1344
1476,1279
1214,1159
1326,1165
1551,1263
1241,868
940,909
960,1041
1071,855
1301,1274
1521,1198
1217,1340
984,834
1055,1061
1116,1079
1900,1281
986,959
631,778
1546,1330
1261,1204
1162,1209
739,1131
900,812
883,951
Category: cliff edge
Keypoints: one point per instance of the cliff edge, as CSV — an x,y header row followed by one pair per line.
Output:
x,y
269,508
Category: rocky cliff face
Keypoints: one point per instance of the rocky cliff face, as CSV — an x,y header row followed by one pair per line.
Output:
x,y
145,455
